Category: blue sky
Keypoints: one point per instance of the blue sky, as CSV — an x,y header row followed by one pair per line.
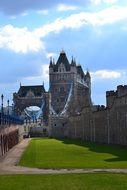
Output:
x,y
93,31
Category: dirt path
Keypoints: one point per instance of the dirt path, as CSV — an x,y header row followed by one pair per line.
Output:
x,y
8,164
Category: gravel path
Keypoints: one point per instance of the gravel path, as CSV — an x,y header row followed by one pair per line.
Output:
x,y
8,164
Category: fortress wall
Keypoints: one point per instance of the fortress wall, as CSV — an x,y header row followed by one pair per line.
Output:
x,y
89,126
100,124
105,126
10,135
75,127
94,123
119,125
118,119
58,127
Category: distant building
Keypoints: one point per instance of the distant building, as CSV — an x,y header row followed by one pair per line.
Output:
x,y
31,96
65,77
70,92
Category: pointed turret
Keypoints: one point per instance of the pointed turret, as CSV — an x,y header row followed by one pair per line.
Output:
x,y
63,59
73,62
51,63
88,74
88,80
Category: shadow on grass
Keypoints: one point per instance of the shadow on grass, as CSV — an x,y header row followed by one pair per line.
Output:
x,y
120,152
39,138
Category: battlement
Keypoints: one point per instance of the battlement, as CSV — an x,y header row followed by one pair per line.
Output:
x,y
110,96
98,108
121,90
111,93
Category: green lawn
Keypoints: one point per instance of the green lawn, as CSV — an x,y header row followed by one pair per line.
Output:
x,y
64,182
52,153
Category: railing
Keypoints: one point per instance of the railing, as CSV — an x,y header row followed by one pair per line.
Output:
x,y
10,119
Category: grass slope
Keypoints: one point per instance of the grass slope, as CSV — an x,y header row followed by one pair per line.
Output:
x,y
64,181
52,153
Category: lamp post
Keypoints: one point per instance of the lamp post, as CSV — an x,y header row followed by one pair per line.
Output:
x,y
8,107
2,97
12,109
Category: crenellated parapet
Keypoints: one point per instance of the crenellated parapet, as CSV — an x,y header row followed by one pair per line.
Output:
x,y
121,90
110,97
111,93
117,97
96,108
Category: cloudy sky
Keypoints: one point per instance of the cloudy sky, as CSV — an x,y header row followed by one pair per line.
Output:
x,y
93,31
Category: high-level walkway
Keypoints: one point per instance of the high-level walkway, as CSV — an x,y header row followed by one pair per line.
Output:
x,y
9,164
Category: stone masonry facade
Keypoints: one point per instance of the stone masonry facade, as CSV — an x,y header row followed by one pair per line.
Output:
x,y
70,91
103,124
31,96
62,77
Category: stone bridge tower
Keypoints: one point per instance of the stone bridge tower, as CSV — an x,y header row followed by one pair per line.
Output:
x,y
66,77
62,75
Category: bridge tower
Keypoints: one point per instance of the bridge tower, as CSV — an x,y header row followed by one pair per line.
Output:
x,y
67,82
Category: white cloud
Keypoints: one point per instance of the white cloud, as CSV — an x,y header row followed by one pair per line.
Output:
x,y
73,21
23,40
100,18
103,17
64,7
19,39
106,74
97,2
107,16
45,71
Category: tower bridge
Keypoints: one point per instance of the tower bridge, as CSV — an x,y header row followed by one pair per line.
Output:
x,y
29,96
67,110
69,90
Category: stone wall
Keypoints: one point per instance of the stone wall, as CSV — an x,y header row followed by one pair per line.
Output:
x,y
58,127
103,126
10,135
97,123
